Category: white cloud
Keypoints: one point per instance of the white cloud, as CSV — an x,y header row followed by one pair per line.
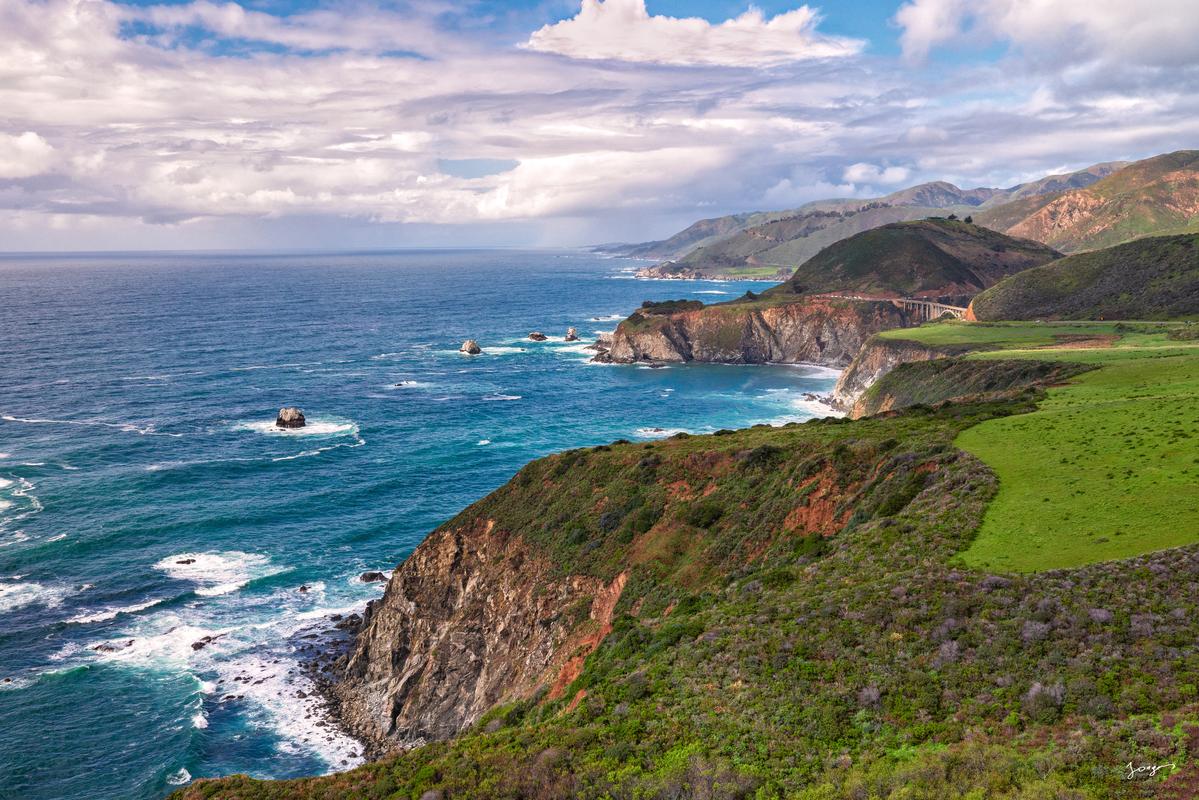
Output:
x,y
24,155
624,30
870,173
1146,32
154,133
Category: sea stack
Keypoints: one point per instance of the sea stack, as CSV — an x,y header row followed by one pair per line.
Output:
x,y
290,417
470,347
572,335
538,336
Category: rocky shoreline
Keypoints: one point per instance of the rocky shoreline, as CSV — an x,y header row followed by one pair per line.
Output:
x,y
322,653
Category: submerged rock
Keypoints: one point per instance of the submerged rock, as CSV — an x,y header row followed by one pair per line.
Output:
x,y
290,417
470,347
572,334
538,336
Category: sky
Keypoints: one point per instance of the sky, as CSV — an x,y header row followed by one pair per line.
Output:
x,y
331,124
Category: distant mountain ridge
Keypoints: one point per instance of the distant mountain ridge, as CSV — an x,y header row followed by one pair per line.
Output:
x,y
1153,197
772,243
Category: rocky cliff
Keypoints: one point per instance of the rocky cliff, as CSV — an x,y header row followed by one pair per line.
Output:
x,y
473,618
875,359
814,330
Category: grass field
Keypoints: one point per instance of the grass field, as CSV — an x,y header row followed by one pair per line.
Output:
x,y
1108,465
749,273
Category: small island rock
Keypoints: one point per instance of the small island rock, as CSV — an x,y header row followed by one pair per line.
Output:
x,y
572,335
290,417
470,347
372,577
538,336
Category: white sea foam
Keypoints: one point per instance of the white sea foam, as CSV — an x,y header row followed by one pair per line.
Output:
x,y
5,504
217,573
303,721
817,370
483,442
17,537
112,612
170,648
318,427
5,483
710,291
5,455
19,595
128,427
179,777
608,318
57,538
502,350
658,433
499,398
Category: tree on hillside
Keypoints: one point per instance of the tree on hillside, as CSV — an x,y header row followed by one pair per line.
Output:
x,y
969,220
952,217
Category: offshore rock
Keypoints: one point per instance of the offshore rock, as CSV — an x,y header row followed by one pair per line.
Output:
x,y
470,347
538,336
572,334
290,417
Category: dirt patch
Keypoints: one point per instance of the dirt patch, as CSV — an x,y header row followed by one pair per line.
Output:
x,y
602,608
818,515
1071,342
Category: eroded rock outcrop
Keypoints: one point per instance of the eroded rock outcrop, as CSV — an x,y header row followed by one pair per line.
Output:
x,y
470,347
290,417
814,330
473,618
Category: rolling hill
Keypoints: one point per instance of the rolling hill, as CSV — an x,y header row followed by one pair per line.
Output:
x,y
934,258
1154,278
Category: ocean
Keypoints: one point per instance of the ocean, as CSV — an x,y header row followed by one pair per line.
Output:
x,y
148,503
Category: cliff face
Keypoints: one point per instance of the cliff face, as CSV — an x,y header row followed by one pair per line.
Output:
x,y
824,331
473,618
876,358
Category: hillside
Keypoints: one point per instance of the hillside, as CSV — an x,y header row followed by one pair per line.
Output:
x,y
766,244
1154,278
1153,197
936,258
811,611
792,323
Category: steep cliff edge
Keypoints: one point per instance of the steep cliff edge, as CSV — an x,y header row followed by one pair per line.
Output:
x,y
877,357
813,330
471,619
502,606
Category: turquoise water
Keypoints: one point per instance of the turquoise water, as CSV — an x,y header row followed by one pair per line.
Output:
x,y
137,397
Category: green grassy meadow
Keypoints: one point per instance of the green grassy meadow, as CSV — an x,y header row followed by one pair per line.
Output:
x,y
1107,466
